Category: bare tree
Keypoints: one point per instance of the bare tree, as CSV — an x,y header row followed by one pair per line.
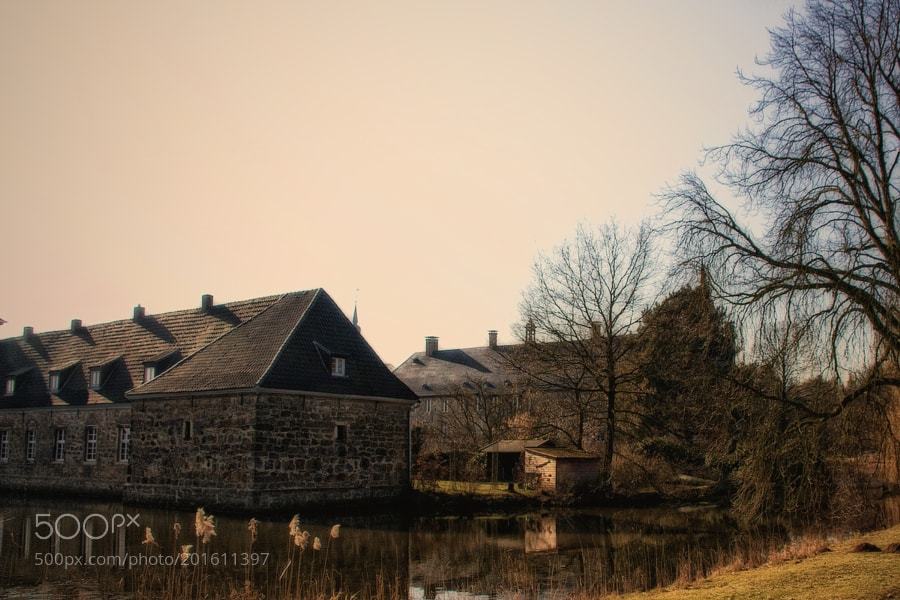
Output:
x,y
580,315
819,170
477,413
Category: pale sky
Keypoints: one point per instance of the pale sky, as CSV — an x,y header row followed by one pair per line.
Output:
x,y
422,152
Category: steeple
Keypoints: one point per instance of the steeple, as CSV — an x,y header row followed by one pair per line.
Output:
x,y
355,319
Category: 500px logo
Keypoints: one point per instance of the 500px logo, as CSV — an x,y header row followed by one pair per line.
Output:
x,y
95,526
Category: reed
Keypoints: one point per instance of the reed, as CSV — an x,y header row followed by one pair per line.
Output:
x,y
328,563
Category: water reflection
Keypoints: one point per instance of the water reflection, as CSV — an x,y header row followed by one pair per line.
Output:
x,y
540,554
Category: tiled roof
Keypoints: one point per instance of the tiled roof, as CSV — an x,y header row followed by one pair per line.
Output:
x,y
446,371
131,342
288,346
282,342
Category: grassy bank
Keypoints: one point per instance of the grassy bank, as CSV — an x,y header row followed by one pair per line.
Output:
x,y
839,574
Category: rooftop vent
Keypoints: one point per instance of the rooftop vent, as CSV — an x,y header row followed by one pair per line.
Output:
x,y
431,345
76,325
492,339
206,302
27,331
139,312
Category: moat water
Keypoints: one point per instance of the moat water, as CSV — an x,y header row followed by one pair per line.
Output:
x,y
58,549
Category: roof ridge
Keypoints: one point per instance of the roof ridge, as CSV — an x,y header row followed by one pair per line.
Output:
x,y
213,341
289,335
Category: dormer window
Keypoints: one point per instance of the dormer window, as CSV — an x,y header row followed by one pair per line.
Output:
x,y
10,388
100,372
96,378
59,375
156,365
54,382
338,366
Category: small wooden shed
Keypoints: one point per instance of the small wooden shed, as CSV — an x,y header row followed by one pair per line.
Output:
x,y
505,457
557,469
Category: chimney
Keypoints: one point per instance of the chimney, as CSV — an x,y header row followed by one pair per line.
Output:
x,y
492,339
431,345
138,312
76,325
27,331
206,302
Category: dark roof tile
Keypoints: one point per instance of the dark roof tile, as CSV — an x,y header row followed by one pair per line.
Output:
x,y
288,346
136,342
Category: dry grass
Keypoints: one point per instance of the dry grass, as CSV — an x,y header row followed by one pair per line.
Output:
x,y
839,575
305,573
471,488
313,568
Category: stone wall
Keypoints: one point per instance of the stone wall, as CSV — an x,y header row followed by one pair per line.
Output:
x,y
105,475
232,450
302,457
543,469
192,451
268,450
561,474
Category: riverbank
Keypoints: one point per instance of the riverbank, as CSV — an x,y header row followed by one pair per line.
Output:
x,y
837,575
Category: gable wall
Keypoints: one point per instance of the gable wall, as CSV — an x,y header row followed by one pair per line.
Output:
x,y
213,467
543,469
299,460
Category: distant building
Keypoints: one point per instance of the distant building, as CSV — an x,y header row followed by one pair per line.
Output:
x,y
438,377
477,410
267,402
456,388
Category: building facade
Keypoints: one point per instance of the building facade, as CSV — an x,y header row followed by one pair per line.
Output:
x,y
270,402
480,407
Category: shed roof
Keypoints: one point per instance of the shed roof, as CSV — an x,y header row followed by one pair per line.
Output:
x,y
563,453
516,446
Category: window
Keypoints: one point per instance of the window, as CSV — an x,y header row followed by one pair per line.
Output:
x,y
339,366
59,449
124,444
149,373
54,382
340,433
30,444
10,386
4,445
187,429
90,443
96,378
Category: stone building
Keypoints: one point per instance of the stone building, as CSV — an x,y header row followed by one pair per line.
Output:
x,y
561,469
441,377
466,399
267,402
480,406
